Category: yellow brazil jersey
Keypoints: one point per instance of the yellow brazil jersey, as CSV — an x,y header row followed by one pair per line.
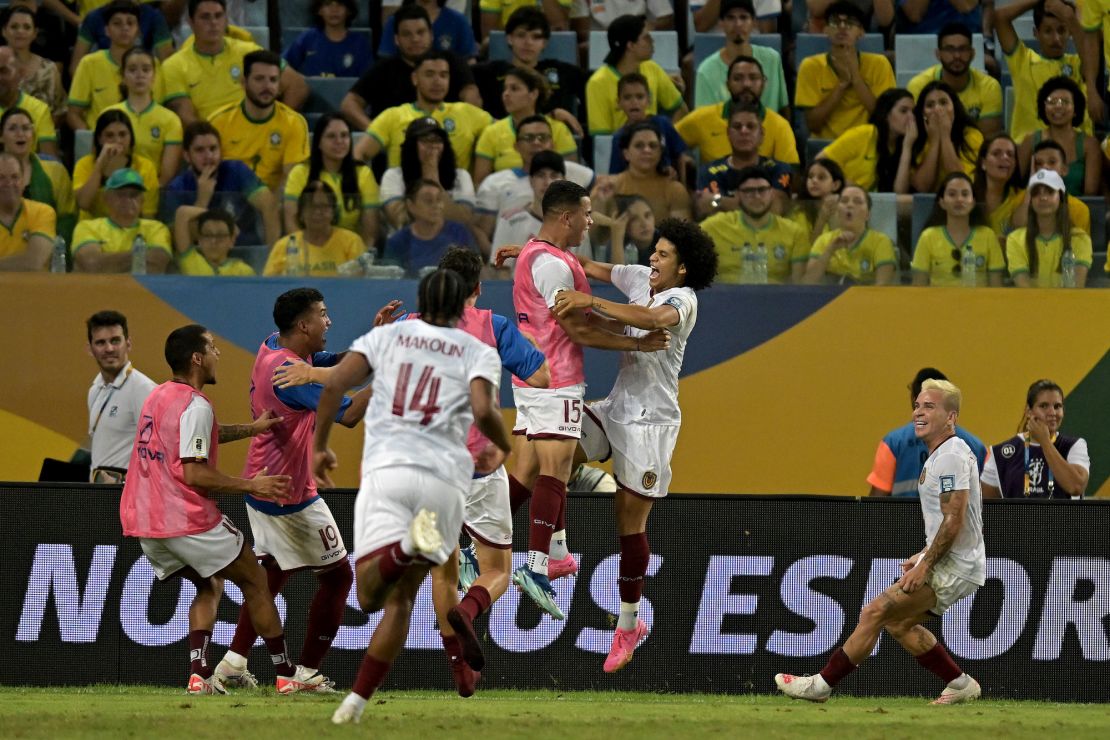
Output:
x,y
61,186
856,151
604,116
1095,15
268,145
33,219
1030,70
463,123
156,127
193,262
800,216
40,117
859,261
84,167
981,96
323,259
1001,219
817,80
96,83
505,8
210,81
706,129
497,143
113,238
1049,251
938,254
973,139
786,243
349,218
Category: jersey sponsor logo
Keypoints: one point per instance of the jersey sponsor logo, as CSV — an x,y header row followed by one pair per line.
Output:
x,y
114,410
947,483
1008,450
649,480
147,429
522,318
673,302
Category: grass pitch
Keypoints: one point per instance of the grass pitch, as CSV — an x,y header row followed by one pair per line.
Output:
x,y
117,712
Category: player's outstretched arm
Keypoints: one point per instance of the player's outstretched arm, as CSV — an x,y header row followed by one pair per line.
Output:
x,y
953,507
583,332
300,373
354,413
642,317
199,474
234,432
351,371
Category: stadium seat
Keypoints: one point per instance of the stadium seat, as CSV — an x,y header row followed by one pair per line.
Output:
x,y
706,44
289,34
884,215
82,143
922,209
563,45
1098,221
603,150
917,52
260,34
811,44
813,148
254,12
666,49
254,255
799,17
326,93
1008,107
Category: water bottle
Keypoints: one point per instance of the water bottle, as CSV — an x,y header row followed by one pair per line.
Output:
x,y
58,256
366,262
294,262
969,272
1067,269
138,255
761,264
747,264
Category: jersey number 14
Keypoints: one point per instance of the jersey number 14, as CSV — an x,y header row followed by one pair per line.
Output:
x,y
424,384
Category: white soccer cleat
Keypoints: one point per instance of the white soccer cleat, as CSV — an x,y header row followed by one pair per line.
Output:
x,y
305,681
970,692
424,532
350,711
198,685
802,687
235,676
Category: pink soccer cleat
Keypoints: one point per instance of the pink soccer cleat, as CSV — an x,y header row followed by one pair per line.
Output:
x,y
559,568
624,644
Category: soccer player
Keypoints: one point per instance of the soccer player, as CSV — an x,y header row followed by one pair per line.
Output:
x,y
551,418
430,382
637,424
952,565
299,532
167,502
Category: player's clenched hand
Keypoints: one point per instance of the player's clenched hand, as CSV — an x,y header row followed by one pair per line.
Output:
x,y
322,462
507,252
387,314
571,300
294,374
913,579
909,562
654,341
264,422
489,459
273,487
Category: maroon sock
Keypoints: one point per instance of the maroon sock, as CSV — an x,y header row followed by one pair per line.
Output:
x,y
326,613
940,662
453,647
475,603
837,668
561,521
279,654
198,653
633,566
518,493
371,675
245,634
547,499
393,563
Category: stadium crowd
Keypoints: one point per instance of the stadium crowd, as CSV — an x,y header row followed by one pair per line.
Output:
x,y
873,142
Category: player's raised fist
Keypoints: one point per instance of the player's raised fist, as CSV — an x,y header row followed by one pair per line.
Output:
x,y
504,253
654,341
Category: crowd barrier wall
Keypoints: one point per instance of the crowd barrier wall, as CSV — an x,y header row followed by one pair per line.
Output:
x,y
784,389
738,588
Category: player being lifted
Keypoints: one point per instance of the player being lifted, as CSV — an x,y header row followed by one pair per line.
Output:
x,y
638,423
299,533
551,418
430,382
952,565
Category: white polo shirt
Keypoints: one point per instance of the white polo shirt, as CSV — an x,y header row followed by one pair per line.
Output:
x,y
114,410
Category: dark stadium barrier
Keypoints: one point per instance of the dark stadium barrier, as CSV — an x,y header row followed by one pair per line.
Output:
x,y
738,589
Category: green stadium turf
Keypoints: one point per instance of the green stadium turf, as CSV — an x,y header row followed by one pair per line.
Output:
x,y
118,712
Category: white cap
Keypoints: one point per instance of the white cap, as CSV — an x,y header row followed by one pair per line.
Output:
x,y
1051,178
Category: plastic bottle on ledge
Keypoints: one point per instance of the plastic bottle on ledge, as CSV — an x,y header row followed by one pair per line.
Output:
x,y
969,270
761,264
366,262
138,255
1067,269
747,268
294,262
58,256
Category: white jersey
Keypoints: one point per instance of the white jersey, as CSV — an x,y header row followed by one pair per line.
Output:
x,y
507,189
952,467
646,389
114,416
420,411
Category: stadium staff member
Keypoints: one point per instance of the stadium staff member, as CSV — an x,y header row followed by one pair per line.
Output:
x,y
115,398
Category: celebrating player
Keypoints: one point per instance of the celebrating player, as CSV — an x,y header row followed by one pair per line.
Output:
x,y
551,418
952,565
639,421
300,532
166,502
430,382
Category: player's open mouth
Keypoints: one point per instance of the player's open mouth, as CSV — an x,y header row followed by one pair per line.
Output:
x,y
654,273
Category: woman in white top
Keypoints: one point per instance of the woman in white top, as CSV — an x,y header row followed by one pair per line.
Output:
x,y
426,154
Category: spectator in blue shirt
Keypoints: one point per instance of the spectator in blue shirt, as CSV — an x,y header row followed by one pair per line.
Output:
x,y
331,49
210,181
154,33
451,31
424,241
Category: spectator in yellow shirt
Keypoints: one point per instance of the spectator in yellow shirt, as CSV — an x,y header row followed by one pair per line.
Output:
x,y
980,93
998,183
46,136
957,229
157,128
113,149
105,244
854,251
321,244
203,238
838,90
26,227
1035,253
814,208
947,139
878,156
47,181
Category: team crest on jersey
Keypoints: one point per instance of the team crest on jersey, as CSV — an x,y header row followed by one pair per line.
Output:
x,y
921,479
1066,70
114,411
947,483
275,138
348,60
235,72
780,252
449,125
864,265
649,480
974,112
1008,450
446,42
553,76
155,132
